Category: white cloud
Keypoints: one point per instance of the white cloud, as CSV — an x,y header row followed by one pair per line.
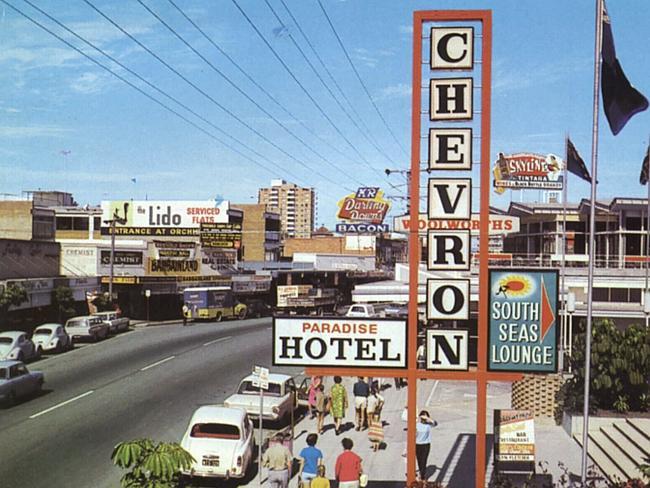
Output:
x,y
33,131
41,57
89,83
394,91
12,110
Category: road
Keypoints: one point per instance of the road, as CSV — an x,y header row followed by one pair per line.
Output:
x,y
144,383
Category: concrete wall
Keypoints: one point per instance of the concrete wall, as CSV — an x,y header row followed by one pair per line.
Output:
x,y
16,220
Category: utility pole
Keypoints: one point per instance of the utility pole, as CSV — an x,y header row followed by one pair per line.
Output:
x,y
115,220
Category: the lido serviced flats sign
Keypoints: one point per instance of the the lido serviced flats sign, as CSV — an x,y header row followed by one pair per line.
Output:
x,y
523,321
339,341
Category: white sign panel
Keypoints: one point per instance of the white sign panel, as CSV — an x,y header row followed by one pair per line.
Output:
x,y
450,149
447,349
450,99
448,299
168,214
450,198
339,341
452,48
449,250
498,224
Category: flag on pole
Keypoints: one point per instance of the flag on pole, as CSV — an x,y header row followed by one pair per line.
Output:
x,y
621,101
574,163
645,167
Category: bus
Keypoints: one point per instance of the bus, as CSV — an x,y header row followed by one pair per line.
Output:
x,y
213,303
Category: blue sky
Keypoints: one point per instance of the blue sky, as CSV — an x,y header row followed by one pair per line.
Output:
x,y
67,124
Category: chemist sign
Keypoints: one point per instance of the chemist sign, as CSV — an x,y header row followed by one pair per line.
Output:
x,y
339,341
523,321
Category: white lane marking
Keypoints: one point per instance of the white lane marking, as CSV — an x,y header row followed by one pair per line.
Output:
x,y
157,363
217,340
90,392
433,390
269,328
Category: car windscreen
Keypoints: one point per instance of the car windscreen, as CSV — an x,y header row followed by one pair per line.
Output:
x,y
43,332
215,431
76,323
247,388
6,340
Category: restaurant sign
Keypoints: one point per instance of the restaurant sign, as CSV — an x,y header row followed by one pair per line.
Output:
x,y
522,326
514,436
526,170
339,342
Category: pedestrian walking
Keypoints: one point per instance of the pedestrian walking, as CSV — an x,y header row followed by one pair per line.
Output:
x,y
423,438
311,394
320,481
375,403
361,390
310,458
421,356
185,310
322,405
339,400
348,466
277,458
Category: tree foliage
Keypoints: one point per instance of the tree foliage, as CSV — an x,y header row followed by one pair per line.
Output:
x,y
12,295
620,369
151,465
63,300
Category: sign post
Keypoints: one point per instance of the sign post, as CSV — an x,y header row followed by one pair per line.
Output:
x,y
261,380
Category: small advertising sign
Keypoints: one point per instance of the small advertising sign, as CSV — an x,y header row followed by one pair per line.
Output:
x,y
514,437
526,170
227,236
522,326
339,342
122,258
366,206
499,224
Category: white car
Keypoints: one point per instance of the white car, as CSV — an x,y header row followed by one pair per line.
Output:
x,y
52,337
17,345
114,321
16,381
279,400
221,441
361,310
88,327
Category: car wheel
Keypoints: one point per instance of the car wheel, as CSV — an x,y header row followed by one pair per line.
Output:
x,y
218,317
242,314
39,353
39,387
59,348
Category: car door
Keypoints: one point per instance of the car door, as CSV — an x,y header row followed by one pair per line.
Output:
x,y
61,336
18,374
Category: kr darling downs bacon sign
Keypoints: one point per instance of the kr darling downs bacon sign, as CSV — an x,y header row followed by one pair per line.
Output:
x,y
525,170
339,341
363,209
523,321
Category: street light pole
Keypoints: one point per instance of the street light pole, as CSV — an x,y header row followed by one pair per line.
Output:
x,y
112,255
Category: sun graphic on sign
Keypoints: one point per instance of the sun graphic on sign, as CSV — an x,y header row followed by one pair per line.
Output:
x,y
514,286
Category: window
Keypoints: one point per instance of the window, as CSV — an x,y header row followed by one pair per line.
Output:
x,y
215,431
64,223
97,223
80,223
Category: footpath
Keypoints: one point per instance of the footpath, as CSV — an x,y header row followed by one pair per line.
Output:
x,y
451,461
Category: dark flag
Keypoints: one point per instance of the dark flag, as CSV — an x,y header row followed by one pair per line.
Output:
x,y
621,100
645,167
574,163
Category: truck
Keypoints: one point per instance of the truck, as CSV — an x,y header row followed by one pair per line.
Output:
x,y
306,300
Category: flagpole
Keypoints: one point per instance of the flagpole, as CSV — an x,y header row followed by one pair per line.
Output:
x,y
592,240
563,236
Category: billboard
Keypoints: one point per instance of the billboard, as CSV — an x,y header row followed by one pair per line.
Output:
x,y
526,170
514,436
523,321
363,211
339,342
162,217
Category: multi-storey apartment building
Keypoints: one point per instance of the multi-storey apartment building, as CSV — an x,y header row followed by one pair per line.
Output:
x,y
296,206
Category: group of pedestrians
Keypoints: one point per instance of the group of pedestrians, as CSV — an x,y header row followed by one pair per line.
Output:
x,y
278,460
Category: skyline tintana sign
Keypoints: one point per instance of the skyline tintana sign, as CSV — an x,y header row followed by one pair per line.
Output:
x,y
363,211
523,321
528,171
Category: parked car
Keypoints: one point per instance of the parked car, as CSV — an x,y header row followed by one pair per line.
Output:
x,y
361,310
221,441
16,345
396,310
279,400
114,321
16,381
88,327
52,337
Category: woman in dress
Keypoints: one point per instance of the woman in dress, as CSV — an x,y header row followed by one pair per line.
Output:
x,y
311,391
339,399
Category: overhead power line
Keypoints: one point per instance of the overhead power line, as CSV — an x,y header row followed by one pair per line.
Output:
x,y
365,89
329,90
280,105
293,76
152,86
135,87
242,92
206,95
330,75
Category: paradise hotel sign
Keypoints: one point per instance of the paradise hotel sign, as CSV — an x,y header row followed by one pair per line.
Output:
x,y
523,326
